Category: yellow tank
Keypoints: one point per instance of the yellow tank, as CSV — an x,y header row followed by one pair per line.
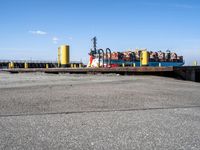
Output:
x,y
65,59
144,58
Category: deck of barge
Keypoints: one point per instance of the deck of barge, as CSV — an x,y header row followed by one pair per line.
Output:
x,y
186,73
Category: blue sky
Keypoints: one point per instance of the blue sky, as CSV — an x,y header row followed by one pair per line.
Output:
x,y
33,29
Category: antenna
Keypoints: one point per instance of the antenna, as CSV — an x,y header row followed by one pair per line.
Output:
x,y
94,49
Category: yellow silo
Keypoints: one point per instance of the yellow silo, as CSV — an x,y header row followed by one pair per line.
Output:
x,y
63,52
144,58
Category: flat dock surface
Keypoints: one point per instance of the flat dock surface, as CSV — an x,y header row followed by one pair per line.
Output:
x,y
62,111
91,70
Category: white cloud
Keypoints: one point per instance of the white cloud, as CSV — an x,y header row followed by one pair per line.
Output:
x,y
70,38
55,40
38,32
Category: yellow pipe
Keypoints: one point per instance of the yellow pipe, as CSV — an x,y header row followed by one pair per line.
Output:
x,y
11,65
195,63
47,66
25,65
74,65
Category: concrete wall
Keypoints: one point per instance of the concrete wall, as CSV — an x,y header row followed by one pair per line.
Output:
x,y
189,73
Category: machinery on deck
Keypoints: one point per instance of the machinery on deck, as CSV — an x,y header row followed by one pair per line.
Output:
x,y
136,58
